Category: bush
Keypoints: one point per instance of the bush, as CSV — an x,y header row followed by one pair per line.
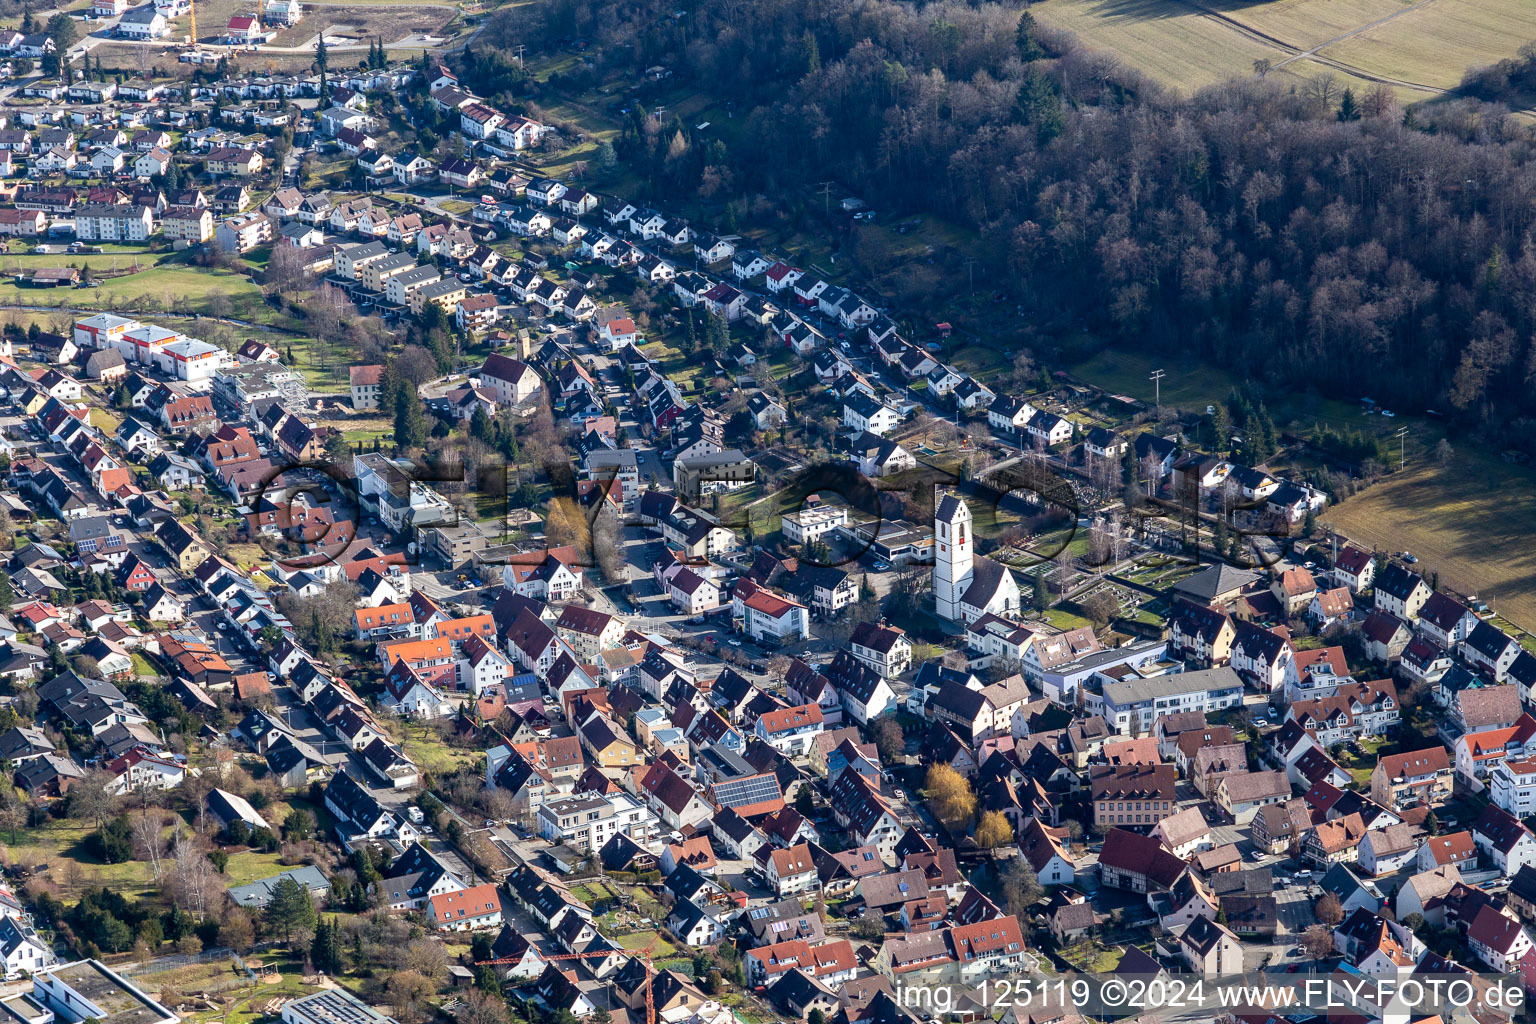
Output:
x,y
111,843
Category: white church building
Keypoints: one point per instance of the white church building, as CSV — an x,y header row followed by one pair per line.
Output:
x,y
967,586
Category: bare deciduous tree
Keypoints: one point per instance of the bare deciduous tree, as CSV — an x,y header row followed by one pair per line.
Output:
x,y
481,1007
147,840
89,798
608,546
1322,89
194,884
408,993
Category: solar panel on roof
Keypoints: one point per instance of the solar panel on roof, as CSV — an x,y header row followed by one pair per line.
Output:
x,y
740,792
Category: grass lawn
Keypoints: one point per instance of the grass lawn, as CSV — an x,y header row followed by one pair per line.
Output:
x,y
142,666
674,362
1091,957
246,555
1060,618
592,892
763,512
366,433
429,750
642,940
108,262
167,286
1126,373
980,361
60,844
1153,613
248,1004
323,368
247,867
52,835
104,421
647,905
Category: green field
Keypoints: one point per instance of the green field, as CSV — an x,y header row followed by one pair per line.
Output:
x,y
1128,373
167,287
1192,385
106,262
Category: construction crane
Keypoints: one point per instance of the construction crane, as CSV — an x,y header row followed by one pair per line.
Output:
x,y
643,954
192,10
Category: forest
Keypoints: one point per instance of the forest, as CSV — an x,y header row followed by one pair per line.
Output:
x,y
1295,231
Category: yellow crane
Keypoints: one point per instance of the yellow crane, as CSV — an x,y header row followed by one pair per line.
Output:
x,y
192,10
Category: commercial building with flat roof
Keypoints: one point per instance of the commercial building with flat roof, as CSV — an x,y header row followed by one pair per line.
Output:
x,y
1138,703
88,989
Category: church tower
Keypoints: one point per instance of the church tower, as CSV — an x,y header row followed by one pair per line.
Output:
x,y
952,558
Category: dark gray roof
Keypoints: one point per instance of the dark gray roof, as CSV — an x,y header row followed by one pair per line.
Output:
x,y
1215,579
986,579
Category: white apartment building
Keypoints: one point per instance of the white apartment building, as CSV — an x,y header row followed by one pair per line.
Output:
x,y
1134,705
813,523
588,822
1513,787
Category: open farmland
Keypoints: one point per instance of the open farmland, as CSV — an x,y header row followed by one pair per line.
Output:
x,y
1435,43
1308,23
1179,44
1470,521
1418,48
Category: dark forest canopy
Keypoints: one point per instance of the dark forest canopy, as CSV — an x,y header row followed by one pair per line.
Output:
x,y
1270,225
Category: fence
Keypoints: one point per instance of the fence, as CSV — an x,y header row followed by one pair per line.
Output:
x,y
162,964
